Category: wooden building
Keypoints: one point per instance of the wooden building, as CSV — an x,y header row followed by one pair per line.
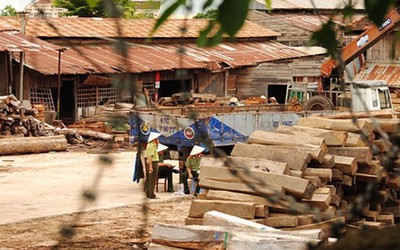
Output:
x,y
92,71
296,20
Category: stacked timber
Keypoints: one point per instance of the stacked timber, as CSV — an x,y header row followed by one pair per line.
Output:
x,y
19,118
305,176
224,231
325,171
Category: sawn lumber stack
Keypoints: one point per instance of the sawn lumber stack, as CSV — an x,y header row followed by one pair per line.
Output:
x,y
303,177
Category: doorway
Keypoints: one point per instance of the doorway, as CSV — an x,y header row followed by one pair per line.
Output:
x,y
168,88
278,91
67,101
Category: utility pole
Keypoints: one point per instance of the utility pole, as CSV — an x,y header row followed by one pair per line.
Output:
x,y
21,58
60,51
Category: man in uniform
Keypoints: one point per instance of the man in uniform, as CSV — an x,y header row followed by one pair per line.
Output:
x,y
152,164
192,169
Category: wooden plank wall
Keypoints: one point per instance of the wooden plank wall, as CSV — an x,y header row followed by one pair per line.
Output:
x,y
291,35
382,51
253,81
212,83
3,73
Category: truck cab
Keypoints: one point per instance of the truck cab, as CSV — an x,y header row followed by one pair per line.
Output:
x,y
370,95
355,96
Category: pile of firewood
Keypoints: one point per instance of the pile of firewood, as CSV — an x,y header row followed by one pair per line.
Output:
x,y
18,118
324,171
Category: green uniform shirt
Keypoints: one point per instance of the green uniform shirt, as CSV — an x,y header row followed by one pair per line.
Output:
x,y
151,151
193,163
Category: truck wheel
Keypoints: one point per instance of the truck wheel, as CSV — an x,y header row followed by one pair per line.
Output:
x,y
318,102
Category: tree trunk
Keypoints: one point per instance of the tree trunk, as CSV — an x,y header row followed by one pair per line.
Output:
x,y
27,145
95,135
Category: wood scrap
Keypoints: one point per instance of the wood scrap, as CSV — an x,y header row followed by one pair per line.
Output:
x,y
281,221
271,138
257,189
298,187
356,140
325,225
244,210
332,137
245,162
362,155
297,161
338,124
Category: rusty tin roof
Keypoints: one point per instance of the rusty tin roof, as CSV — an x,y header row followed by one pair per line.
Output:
x,y
118,27
314,4
387,72
15,41
147,58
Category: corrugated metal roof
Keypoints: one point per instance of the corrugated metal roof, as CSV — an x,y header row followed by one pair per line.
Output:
x,y
314,4
148,58
15,41
119,27
387,72
313,50
96,80
308,21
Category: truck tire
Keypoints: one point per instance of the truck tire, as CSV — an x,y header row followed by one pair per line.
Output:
x,y
318,102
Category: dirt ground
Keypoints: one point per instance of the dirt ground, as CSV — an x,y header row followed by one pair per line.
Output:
x,y
41,196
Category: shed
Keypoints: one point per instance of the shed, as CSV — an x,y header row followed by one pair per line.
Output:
x,y
156,66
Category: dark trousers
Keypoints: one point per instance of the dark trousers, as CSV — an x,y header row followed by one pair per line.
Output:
x,y
184,178
151,180
166,172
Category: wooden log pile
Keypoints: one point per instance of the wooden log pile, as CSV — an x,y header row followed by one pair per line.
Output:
x,y
19,119
21,129
307,176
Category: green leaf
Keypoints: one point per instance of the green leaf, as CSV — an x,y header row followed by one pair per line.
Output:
x,y
348,11
377,9
167,13
232,14
207,4
214,40
326,36
92,3
203,36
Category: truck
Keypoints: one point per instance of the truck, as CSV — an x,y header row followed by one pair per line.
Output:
x,y
223,126
332,92
357,96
